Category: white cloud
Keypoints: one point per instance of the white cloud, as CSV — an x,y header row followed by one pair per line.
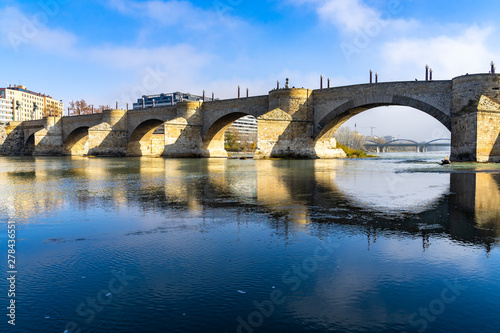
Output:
x,y
359,24
174,12
449,55
168,13
354,16
350,15
152,71
19,31
176,57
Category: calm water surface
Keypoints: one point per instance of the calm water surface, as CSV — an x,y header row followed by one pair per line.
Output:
x,y
215,245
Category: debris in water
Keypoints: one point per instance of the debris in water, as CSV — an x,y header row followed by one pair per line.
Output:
x,y
242,292
108,294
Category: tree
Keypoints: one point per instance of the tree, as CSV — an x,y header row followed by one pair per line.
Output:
x,y
352,139
231,141
101,108
81,107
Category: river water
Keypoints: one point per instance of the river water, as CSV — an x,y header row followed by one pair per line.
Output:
x,y
393,244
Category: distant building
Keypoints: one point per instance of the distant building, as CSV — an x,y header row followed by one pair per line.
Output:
x,y
389,138
6,114
147,101
246,125
29,105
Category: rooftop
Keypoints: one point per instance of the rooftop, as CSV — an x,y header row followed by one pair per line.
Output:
x,y
23,88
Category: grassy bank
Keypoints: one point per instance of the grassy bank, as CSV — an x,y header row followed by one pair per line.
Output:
x,y
354,153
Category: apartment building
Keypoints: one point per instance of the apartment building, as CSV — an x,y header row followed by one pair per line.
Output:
x,y
29,105
6,114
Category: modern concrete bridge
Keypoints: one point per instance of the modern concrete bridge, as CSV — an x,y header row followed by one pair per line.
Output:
x,y
421,147
291,122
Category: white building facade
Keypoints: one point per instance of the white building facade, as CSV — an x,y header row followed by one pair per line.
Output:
x,y
28,105
6,114
246,125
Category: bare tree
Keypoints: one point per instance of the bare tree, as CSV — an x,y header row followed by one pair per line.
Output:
x,y
81,107
352,139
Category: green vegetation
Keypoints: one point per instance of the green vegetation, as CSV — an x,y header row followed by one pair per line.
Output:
x,y
234,142
354,153
351,142
231,143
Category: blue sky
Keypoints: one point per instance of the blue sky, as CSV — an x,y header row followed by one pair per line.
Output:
x,y
117,50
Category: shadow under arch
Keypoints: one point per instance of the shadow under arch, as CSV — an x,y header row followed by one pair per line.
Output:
x,y
140,142
76,144
338,116
29,145
213,140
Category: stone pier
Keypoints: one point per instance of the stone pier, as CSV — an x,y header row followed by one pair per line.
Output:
x,y
475,129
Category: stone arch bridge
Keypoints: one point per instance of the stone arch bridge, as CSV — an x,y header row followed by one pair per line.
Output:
x,y
296,123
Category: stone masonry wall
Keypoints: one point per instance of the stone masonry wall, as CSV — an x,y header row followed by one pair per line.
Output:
x,y
488,138
181,139
287,130
48,141
476,118
109,138
11,139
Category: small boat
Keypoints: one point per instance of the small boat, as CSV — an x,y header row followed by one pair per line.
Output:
x,y
446,161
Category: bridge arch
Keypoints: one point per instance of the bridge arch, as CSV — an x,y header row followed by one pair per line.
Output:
x,y
436,140
29,145
30,132
140,140
342,113
402,140
213,140
73,123
76,143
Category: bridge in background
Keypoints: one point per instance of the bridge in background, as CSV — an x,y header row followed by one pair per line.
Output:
x,y
421,147
292,122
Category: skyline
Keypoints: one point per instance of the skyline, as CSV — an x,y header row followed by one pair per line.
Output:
x,y
119,50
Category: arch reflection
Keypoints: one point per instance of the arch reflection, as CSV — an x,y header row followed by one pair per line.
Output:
x,y
370,198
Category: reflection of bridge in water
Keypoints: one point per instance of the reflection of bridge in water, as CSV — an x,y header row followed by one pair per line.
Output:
x,y
421,147
310,194
295,195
